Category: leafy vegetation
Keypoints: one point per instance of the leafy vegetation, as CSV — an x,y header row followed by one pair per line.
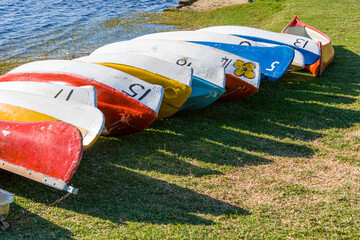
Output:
x,y
283,163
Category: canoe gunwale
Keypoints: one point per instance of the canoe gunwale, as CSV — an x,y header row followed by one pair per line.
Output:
x,y
297,23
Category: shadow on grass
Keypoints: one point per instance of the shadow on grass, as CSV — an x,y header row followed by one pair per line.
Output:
x,y
174,153
28,225
136,197
281,120
111,192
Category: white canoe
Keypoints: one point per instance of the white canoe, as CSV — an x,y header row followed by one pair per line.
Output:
x,y
176,80
208,72
89,120
108,76
208,81
308,47
85,94
186,51
164,68
204,35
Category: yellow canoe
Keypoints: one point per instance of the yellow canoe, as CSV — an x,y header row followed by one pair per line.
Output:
x,y
175,79
13,113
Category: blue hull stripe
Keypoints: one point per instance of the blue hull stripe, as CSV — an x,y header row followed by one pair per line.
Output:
x,y
274,61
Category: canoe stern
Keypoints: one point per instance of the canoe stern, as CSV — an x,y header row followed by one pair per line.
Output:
x,y
327,52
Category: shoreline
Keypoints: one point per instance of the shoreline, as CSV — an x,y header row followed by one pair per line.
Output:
x,y
205,5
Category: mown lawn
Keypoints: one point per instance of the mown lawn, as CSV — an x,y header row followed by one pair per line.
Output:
x,y
282,164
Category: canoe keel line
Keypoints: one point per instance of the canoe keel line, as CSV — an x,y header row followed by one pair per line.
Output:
x,y
38,177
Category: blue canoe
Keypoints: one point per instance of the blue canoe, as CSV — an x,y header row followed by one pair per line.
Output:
x,y
308,47
274,61
203,94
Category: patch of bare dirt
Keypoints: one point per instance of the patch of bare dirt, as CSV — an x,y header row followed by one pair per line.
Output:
x,y
204,5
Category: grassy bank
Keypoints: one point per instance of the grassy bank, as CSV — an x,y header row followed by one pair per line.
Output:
x,y
283,163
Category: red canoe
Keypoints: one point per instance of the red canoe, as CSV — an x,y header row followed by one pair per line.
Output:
x,y
296,27
47,152
123,114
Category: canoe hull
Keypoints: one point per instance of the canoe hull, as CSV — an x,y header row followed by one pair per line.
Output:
x,y
207,81
123,115
274,61
234,65
175,79
296,27
204,93
175,93
237,89
9,112
38,150
84,95
22,106
306,46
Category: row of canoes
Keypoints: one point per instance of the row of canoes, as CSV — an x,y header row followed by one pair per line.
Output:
x,y
53,109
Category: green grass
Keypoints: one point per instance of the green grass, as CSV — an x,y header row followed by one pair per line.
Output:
x,y
282,164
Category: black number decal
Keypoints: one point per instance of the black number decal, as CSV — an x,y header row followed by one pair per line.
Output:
x,y
145,94
182,62
134,92
245,43
58,93
69,95
226,61
301,42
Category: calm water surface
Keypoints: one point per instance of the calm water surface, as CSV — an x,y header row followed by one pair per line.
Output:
x,y
62,28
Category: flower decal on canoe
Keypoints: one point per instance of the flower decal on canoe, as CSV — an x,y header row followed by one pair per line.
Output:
x,y
244,69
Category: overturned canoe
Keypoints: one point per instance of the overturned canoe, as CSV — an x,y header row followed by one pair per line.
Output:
x,y
296,27
46,152
274,61
176,80
306,46
209,37
208,81
24,107
85,95
242,75
128,103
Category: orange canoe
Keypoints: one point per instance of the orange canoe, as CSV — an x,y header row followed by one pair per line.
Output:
x,y
296,27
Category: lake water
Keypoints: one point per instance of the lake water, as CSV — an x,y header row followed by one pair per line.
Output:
x,y
63,28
